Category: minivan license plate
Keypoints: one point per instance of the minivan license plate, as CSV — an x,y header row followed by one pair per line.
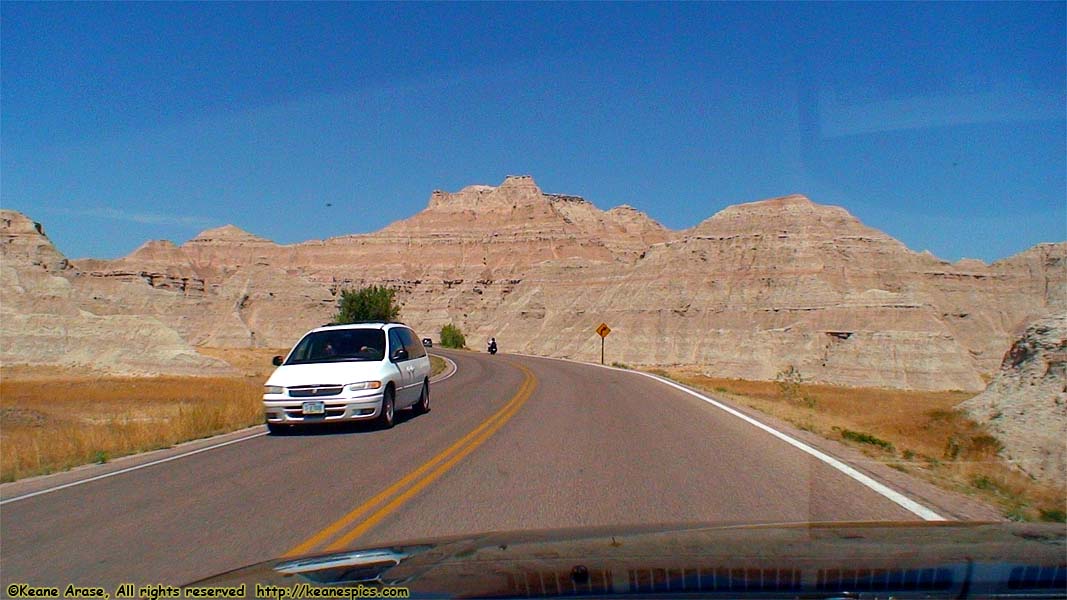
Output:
x,y
314,408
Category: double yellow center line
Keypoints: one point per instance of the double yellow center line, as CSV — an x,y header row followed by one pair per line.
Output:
x,y
353,525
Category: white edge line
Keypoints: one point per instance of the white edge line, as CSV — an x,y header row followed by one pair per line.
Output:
x,y
128,469
176,456
900,499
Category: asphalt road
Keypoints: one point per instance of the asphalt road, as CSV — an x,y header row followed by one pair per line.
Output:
x,y
511,443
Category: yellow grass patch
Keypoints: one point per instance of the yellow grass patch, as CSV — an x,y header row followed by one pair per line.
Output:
x,y
54,420
915,432
251,362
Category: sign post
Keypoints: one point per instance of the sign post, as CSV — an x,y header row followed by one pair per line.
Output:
x,y
603,332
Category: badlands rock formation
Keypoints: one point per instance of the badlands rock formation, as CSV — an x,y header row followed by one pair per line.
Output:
x,y
1025,406
750,291
42,321
786,281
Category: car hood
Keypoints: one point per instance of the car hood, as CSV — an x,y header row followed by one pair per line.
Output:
x,y
812,559
336,373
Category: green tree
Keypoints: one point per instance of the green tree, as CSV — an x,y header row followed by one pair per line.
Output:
x,y
452,337
374,303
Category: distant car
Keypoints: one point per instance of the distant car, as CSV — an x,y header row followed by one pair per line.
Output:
x,y
427,342
355,372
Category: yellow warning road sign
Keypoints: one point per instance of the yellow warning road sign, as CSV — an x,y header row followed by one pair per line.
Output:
x,y
603,330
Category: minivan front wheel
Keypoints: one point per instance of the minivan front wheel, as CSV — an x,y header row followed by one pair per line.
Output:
x,y
387,416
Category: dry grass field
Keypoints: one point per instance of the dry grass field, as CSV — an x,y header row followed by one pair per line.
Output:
x,y
54,420
915,432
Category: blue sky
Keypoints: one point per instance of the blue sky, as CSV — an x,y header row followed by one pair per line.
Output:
x,y
942,124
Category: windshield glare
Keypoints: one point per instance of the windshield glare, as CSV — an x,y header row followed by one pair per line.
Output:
x,y
339,345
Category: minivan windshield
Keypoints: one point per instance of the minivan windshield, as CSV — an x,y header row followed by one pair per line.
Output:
x,y
339,345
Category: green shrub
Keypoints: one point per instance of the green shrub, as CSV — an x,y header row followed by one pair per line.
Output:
x,y
1054,515
866,438
374,303
452,337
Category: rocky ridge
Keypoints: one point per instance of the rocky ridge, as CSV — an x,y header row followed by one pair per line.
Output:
x,y
746,293
43,320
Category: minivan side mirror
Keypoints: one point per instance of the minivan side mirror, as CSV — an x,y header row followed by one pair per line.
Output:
x,y
400,354
277,360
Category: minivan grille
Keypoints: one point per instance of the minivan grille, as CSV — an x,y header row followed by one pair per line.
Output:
x,y
315,391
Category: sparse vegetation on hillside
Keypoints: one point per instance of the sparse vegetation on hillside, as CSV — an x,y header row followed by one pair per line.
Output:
x,y
789,385
374,303
452,337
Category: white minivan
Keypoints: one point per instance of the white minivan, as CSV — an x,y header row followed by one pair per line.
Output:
x,y
353,372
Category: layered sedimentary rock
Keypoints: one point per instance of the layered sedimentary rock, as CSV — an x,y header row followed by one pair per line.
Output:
x,y
44,320
1025,406
222,288
762,286
752,290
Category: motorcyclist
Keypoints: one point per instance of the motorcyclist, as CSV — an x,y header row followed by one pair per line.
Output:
x,y
492,345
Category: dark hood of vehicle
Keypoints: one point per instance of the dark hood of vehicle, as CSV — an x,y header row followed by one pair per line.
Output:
x,y
813,560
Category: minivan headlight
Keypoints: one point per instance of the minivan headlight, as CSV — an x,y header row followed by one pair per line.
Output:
x,y
273,389
364,385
